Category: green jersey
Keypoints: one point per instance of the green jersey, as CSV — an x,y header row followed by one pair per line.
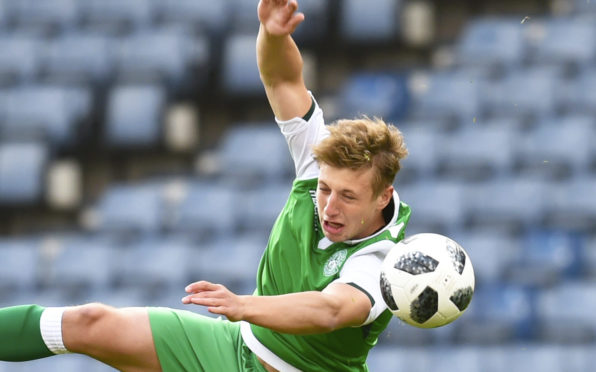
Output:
x,y
300,258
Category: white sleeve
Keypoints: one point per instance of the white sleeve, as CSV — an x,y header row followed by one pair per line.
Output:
x,y
301,135
363,271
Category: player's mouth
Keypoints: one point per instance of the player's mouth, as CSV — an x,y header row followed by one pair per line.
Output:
x,y
333,228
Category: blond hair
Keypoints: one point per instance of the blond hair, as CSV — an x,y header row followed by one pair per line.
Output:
x,y
364,143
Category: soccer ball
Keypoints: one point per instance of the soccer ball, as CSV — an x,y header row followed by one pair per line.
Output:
x,y
427,280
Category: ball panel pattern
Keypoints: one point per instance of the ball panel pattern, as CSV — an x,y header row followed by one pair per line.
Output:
x,y
458,257
462,297
416,263
425,305
387,293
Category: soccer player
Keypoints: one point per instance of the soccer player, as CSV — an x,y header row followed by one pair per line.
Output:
x,y
318,304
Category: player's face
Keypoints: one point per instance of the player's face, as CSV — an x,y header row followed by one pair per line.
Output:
x,y
347,208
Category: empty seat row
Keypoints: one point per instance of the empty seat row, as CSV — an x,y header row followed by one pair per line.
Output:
x,y
165,55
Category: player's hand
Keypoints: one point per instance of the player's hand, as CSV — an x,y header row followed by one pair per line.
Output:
x,y
279,17
217,298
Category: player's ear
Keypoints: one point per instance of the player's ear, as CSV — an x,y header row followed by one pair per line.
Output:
x,y
385,197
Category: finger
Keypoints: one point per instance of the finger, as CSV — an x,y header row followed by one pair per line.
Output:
x,y
200,286
295,21
292,6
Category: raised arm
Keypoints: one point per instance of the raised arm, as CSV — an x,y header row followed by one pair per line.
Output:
x,y
337,306
279,60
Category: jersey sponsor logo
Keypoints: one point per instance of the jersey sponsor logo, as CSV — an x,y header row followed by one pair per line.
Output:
x,y
334,262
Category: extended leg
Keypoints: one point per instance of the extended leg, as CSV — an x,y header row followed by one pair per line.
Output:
x,y
121,338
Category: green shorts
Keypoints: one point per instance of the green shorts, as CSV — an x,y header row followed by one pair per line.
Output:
x,y
186,341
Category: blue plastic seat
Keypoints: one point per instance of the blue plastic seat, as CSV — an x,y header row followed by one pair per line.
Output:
x,y
253,153
81,264
477,152
22,172
240,74
371,21
20,263
565,312
163,55
134,115
20,60
580,97
47,14
571,153
131,209
52,112
438,205
529,92
508,203
210,16
565,40
153,265
262,205
380,94
572,204
111,15
232,260
491,42
443,94
79,57
207,209
547,257
422,161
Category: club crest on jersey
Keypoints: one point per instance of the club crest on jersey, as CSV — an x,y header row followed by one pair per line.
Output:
x,y
334,262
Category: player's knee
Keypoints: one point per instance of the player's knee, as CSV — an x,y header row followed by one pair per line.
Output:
x,y
83,324
90,314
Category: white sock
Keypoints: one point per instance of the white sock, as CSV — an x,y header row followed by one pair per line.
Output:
x,y
50,325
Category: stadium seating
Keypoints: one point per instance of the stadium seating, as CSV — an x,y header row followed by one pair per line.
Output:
x,y
546,258
19,257
44,16
205,15
53,113
573,206
476,152
22,172
86,58
125,210
559,41
439,205
113,16
240,75
570,154
153,266
369,22
164,55
253,153
134,116
377,94
207,209
441,94
77,264
422,141
494,43
564,313
20,61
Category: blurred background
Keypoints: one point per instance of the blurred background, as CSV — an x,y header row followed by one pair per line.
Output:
x,y
138,153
